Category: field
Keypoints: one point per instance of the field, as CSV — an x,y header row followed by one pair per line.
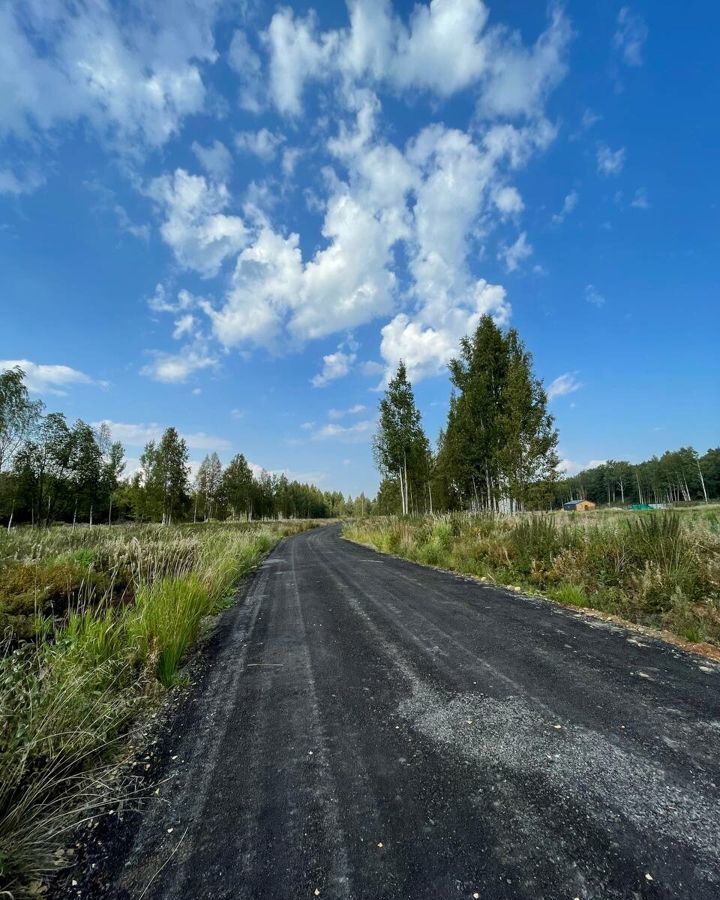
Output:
x,y
660,569
94,624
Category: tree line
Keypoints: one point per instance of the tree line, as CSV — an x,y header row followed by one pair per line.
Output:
x,y
52,471
675,477
497,451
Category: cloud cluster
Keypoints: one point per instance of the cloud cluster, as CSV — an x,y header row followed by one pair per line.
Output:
x,y
131,77
403,223
446,46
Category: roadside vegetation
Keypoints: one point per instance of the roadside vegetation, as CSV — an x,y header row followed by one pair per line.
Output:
x,y
95,624
656,568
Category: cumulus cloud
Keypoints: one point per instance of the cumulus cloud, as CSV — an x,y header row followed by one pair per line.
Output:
x,y
402,225
335,365
610,162
195,226
175,368
567,383
132,78
139,434
630,36
426,344
41,378
445,47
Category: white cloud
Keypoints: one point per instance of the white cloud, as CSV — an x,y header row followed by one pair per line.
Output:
x,y
426,347
445,47
133,78
263,143
175,368
184,326
566,383
49,379
357,432
297,54
335,365
197,230
520,77
216,159
569,204
513,255
422,209
161,302
569,467
137,435
640,199
610,162
355,410
630,36
594,296
509,201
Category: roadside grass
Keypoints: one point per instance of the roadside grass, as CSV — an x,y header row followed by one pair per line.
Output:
x,y
95,624
659,568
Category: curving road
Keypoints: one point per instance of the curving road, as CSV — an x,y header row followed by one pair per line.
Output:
x,y
373,729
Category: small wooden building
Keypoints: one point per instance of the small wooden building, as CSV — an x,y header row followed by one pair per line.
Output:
x,y
578,505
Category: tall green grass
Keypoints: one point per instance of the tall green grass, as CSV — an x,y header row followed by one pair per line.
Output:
x,y
655,568
104,619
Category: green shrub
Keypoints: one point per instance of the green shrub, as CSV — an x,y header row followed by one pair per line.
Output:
x,y
572,594
168,617
533,539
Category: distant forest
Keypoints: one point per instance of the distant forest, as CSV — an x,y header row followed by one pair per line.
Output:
x,y
678,476
51,471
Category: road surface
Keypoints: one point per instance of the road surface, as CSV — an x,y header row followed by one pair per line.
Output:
x,y
374,729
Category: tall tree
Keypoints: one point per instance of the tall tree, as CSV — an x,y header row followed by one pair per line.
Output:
x,y
164,468
401,448
527,453
238,486
18,414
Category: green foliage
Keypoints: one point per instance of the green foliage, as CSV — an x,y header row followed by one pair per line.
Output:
x,y
499,443
402,451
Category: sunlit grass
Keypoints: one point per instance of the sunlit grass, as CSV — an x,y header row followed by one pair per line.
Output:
x,y
96,622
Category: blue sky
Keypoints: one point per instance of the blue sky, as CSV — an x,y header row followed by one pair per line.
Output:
x,y
237,217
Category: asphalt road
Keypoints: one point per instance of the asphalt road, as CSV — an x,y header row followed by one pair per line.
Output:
x,y
370,728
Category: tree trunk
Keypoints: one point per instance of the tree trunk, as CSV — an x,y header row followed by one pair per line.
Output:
x,y
110,512
702,480
12,513
91,512
75,514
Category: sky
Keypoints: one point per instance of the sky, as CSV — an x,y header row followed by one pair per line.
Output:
x,y
237,217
